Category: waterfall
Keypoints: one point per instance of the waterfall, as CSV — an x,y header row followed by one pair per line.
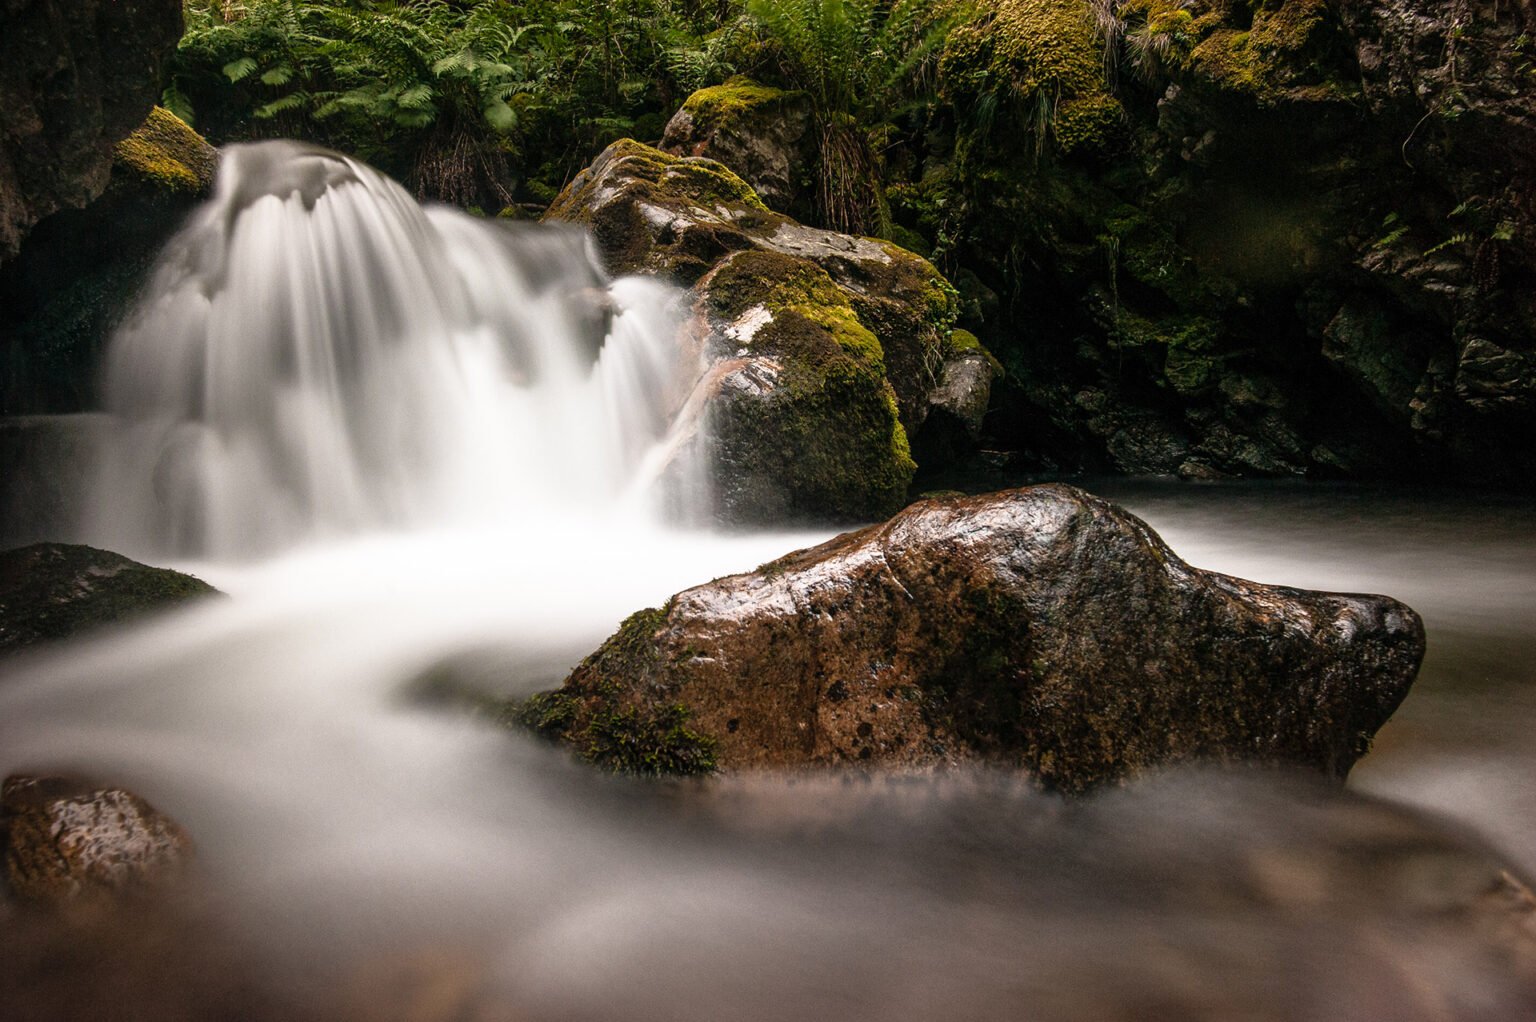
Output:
x,y
316,355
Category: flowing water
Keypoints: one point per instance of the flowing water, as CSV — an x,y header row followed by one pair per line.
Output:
x,y
399,438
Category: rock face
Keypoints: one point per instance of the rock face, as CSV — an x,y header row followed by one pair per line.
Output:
x,y
762,133
824,349
81,268
54,590
67,841
75,78
1041,627
1280,238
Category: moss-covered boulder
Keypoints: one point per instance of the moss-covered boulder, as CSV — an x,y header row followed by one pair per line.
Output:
x,y
1040,628
81,268
56,590
823,350
762,133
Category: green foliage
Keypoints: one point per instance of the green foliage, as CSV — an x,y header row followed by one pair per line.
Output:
x,y
862,64
449,95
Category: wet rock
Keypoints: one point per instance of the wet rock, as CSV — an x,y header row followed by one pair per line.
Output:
x,y
67,841
54,590
822,350
1040,628
75,78
760,132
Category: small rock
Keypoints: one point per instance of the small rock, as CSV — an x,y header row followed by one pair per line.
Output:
x,y
68,841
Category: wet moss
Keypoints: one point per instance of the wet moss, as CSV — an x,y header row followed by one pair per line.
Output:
x,y
1258,61
166,152
597,714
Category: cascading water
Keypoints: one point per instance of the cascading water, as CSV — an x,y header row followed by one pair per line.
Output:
x,y
402,437
316,355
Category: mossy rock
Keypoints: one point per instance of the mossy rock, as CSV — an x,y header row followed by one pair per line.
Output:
x,y
55,590
620,736
816,432
993,629
165,151
825,347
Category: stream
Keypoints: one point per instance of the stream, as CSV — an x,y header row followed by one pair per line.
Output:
x,y
342,818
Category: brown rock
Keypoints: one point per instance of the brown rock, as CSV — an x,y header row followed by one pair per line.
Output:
x,y
1041,628
66,841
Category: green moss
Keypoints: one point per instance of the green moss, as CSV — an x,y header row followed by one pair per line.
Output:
x,y
648,743
1261,61
1092,124
166,152
596,715
727,104
772,280
1047,57
847,332
672,179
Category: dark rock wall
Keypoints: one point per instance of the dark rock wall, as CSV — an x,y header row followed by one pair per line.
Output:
x,y
1298,243
74,79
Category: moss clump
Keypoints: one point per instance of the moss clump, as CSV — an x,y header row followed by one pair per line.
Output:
x,y
166,152
724,105
773,281
1047,56
1262,60
594,713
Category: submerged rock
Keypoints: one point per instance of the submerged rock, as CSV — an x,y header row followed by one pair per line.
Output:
x,y
823,350
1041,628
66,840
53,590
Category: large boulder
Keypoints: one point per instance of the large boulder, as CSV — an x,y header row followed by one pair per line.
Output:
x,y
81,268
66,840
75,78
823,349
1041,628
54,590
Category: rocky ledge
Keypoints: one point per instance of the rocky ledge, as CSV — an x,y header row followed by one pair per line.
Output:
x,y
1039,628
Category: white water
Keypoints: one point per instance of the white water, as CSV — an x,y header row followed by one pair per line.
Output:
x,y
318,356
375,427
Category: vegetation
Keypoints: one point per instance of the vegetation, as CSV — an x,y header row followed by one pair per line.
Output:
x,y
469,102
